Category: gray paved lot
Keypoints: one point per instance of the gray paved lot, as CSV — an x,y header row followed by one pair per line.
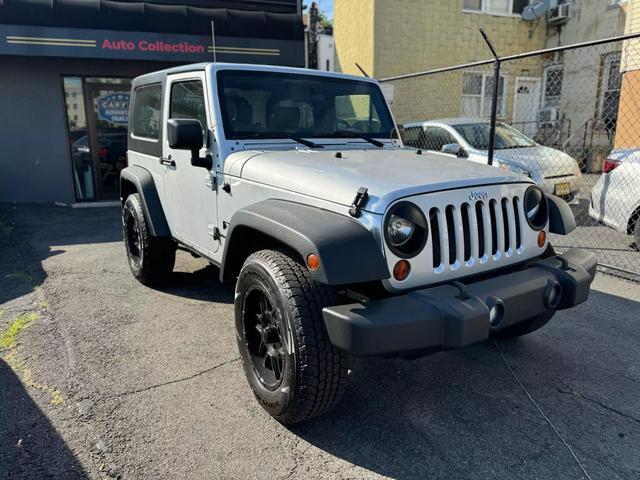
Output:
x,y
112,378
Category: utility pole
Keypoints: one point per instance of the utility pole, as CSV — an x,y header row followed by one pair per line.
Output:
x,y
494,99
313,35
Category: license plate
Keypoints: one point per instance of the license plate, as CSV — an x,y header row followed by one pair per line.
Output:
x,y
563,188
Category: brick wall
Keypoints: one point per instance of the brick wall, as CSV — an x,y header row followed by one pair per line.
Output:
x,y
394,37
353,34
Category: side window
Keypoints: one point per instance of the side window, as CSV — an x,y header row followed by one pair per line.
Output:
x,y
437,137
414,137
146,111
187,101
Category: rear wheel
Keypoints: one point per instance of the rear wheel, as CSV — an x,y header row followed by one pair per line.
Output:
x,y
292,367
151,259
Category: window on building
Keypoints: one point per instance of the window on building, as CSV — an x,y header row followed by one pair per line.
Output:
x,y
477,90
187,101
146,111
552,86
503,7
611,81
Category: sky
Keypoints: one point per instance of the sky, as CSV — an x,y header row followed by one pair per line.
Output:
x,y
326,6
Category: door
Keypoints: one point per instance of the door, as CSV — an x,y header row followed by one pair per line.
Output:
x,y
190,195
108,107
526,103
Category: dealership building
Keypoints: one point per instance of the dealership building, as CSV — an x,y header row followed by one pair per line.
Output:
x,y
67,67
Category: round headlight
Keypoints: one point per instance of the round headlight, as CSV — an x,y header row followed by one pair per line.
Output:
x,y
400,230
536,208
405,230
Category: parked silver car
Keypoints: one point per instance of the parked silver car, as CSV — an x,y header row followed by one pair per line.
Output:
x,y
615,198
554,171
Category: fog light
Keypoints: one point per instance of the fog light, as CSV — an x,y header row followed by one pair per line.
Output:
x,y
496,310
313,261
401,270
552,294
495,314
542,237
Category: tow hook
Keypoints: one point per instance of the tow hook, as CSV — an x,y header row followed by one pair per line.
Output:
x,y
359,202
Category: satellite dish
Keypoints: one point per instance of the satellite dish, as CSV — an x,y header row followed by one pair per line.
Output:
x,y
534,11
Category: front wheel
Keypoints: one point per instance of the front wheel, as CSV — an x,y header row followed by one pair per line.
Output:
x,y
292,367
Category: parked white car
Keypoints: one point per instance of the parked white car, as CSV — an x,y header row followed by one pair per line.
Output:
x,y
615,198
554,171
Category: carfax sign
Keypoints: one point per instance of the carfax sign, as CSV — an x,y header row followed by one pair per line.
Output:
x,y
114,108
66,42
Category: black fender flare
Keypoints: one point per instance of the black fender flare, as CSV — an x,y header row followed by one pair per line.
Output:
x,y
561,218
348,252
142,180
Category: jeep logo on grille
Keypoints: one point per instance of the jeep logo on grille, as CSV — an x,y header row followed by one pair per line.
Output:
x,y
479,195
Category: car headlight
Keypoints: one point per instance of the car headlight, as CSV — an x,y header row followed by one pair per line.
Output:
x,y
400,230
536,208
513,169
406,229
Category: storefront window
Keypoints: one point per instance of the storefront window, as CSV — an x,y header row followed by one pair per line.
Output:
x,y
78,139
98,137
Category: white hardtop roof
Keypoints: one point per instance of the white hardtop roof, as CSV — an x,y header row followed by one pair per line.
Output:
x,y
213,67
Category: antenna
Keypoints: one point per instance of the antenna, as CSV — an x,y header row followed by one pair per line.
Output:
x,y
362,70
213,41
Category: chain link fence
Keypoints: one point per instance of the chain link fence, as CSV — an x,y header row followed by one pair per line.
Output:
x,y
568,117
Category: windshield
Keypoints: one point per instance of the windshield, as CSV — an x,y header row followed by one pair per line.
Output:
x,y
284,105
477,135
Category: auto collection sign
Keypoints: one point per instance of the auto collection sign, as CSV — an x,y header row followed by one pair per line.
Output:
x,y
110,44
114,108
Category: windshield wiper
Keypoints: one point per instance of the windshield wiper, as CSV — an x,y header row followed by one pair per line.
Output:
x,y
305,142
351,134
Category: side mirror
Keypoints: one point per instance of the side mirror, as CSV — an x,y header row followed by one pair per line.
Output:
x,y
186,134
453,149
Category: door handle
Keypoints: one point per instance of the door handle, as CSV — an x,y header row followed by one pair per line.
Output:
x,y
167,161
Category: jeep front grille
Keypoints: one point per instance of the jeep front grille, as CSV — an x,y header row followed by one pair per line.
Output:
x,y
474,232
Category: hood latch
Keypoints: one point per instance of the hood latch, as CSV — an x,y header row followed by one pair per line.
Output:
x,y
359,202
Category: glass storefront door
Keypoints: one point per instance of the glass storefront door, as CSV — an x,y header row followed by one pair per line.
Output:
x,y
97,116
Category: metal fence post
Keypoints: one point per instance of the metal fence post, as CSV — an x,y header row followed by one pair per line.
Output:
x,y
494,98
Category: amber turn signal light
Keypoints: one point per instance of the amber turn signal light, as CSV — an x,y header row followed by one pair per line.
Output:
x,y
542,237
401,270
313,261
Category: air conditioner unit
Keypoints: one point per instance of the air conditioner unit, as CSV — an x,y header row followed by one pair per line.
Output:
x,y
558,15
550,114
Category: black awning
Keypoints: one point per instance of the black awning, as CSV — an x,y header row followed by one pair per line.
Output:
x,y
150,17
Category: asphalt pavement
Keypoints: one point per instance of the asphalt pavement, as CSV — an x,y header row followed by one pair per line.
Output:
x,y
101,377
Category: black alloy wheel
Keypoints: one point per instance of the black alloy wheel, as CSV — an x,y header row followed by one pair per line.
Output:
x,y
264,339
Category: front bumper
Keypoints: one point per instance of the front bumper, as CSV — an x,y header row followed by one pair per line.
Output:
x,y
452,316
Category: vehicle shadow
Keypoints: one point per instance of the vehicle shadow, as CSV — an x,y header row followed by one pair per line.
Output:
x,y
461,414
30,447
197,284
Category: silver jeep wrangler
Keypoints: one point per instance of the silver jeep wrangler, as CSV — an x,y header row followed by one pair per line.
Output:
x,y
341,242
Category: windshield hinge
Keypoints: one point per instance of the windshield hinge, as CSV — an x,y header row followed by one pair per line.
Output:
x,y
359,202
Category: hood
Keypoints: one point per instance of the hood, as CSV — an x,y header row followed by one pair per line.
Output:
x,y
541,161
388,174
